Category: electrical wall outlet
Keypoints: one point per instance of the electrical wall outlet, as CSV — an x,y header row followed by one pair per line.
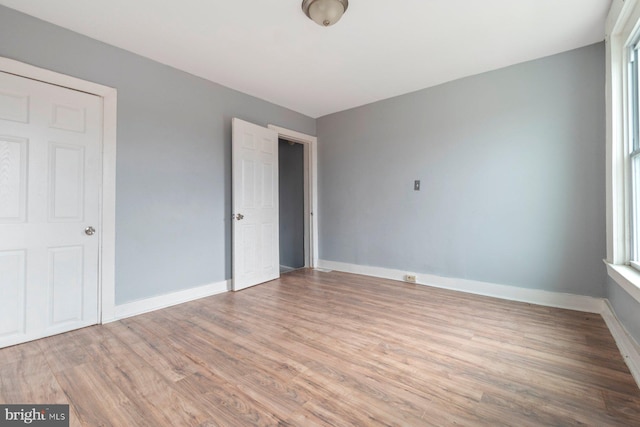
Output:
x,y
411,278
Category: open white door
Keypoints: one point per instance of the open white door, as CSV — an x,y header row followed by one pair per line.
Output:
x,y
254,163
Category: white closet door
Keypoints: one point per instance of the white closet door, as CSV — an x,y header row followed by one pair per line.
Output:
x,y
50,175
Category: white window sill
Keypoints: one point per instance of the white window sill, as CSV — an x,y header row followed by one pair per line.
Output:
x,y
627,277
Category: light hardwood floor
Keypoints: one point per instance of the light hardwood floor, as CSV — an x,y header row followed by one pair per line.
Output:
x,y
332,349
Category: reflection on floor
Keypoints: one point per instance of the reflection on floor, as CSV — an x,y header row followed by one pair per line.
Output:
x,y
287,269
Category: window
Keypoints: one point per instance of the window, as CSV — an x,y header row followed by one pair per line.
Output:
x,y
623,145
623,226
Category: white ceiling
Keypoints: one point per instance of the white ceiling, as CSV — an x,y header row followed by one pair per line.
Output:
x,y
379,49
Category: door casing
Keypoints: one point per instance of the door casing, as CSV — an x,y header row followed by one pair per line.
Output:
x,y
106,259
310,144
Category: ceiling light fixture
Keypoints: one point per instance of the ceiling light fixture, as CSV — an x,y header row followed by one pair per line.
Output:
x,y
325,12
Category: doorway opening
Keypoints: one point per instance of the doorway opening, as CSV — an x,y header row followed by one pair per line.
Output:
x,y
291,171
295,145
255,225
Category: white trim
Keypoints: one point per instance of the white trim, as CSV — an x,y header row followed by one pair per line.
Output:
x,y
626,344
616,208
312,143
146,305
106,262
108,236
513,293
615,170
615,12
627,277
622,26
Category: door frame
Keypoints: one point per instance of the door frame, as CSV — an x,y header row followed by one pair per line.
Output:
x,y
310,144
106,257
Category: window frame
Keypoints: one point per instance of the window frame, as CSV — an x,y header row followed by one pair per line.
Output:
x,y
622,36
632,151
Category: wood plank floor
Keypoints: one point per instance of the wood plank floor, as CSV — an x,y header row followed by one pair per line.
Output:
x,y
332,349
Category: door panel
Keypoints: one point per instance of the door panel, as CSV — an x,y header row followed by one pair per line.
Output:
x,y
12,272
66,191
65,284
14,106
267,185
13,182
68,117
269,241
255,205
50,157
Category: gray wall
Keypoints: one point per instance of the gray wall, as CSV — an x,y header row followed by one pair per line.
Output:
x,y
173,160
513,178
511,163
291,168
626,307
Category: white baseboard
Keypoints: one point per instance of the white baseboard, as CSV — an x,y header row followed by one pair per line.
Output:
x,y
162,301
513,293
626,344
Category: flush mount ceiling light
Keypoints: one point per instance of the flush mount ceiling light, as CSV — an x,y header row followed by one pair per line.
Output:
x,y
325,12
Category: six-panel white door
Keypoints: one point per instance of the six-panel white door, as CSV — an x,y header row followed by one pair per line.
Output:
x,y
255,228
50,174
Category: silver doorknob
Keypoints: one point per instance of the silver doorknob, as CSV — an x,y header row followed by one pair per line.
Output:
x,y
89,231
239,217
